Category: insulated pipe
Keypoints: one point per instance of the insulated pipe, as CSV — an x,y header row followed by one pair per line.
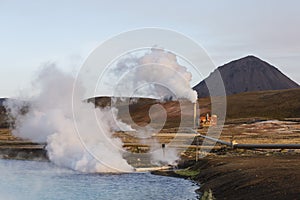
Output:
x,y
250,146
266,146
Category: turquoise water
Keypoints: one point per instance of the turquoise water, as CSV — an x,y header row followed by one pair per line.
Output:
x,y
42,180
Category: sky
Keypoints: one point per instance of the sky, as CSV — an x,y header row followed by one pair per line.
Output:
x,y
33,33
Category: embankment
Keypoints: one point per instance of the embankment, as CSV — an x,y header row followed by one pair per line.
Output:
x,y
247,177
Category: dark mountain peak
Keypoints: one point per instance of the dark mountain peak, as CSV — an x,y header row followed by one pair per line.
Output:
x,y
249,61
251,58
247,74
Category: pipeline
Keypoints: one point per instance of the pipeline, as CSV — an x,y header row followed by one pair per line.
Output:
x,y
266,146
249,146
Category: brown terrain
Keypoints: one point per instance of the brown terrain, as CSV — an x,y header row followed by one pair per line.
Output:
x,y
249,177
268,117
247,174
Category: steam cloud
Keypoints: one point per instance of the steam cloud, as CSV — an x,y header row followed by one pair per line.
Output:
x,y
50,119
157,74
78,142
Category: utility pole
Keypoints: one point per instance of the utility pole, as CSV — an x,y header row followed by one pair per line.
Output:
x,y
197,144
163,146
195,116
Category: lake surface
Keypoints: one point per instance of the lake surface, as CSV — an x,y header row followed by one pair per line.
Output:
x,y
43,180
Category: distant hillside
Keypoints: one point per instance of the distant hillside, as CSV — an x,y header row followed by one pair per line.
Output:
x,y
139,111
246,75
278,104
3,117
275,104
2,101
4,122
2,109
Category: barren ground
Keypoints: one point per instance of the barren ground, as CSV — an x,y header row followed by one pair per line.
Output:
x,y
230,174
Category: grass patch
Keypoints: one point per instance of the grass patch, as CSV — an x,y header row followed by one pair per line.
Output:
x,y
187,172
208,195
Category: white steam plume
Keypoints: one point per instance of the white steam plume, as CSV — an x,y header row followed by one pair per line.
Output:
x,y
156,74
50,119
162,156
87,146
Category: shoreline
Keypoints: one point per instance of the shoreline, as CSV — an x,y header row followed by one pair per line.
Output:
x,y
24,153
231,176
245,177
228,173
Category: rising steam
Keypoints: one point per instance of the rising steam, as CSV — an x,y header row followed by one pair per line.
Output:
x,y
156,74
76,140
50,119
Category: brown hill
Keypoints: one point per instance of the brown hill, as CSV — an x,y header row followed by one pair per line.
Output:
x,y
243,107
248,106
3,116
246,75
276,104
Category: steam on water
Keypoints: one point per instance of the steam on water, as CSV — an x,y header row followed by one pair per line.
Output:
x,y
78,142
50,119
